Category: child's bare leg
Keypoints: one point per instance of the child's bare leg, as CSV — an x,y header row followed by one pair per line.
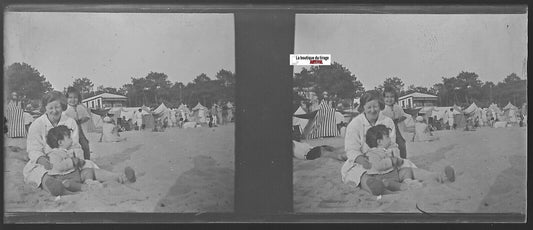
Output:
x,y
87,174
448,174
372,185
406,173
427,176
71,185
392,185
104,175
53,186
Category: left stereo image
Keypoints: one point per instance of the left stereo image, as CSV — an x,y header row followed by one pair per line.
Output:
x,y
119,112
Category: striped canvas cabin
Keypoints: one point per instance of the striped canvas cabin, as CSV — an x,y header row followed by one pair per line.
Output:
x,y
15,120
323,125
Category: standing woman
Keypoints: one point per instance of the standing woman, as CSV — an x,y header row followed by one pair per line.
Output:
x,y
81,115
220,117
15,117
354,169
396,113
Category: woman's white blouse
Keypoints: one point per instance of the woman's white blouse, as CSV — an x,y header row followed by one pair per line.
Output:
x,y
355,144
37,147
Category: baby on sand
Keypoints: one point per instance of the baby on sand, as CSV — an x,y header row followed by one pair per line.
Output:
x,y
66,166
387,171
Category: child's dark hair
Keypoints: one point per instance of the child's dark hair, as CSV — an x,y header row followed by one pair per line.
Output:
x,y
376,133
75,91
56,134
389,89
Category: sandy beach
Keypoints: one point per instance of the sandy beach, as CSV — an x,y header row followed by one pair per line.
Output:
x,y
490,166
179,170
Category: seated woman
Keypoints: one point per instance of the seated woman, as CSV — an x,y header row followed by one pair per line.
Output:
x,y
110,131
422,132
354,170
35,171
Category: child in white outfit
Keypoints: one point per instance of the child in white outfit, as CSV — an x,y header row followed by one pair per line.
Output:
x,y
385,162
66,166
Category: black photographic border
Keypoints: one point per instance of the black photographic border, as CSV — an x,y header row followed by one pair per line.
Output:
x,y
264,37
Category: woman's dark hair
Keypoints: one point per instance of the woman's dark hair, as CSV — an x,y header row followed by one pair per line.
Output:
x,y
392,90
376,133
370,96
57,134
51,97
74,91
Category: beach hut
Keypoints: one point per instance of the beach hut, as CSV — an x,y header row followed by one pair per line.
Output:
x,y
200,113
323,124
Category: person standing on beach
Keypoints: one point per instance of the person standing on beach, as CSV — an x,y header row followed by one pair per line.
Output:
x,y
220,116
81,115
396,113
15,117
450,119
139,119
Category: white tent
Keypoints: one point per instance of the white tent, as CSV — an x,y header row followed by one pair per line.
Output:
x,y
426,111
339,118
129,112
96,123
160,110
200,113
510,113
457,109
299,121
509,106
183,108
471,109
441,112
183,112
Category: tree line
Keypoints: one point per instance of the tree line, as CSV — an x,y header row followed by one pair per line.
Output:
x,y
340,83
460,90
151,90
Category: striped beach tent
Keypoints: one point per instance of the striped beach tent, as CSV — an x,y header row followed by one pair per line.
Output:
x,y
15,119
323,124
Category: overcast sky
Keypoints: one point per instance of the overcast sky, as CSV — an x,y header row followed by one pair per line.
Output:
x,y
420,49
111,48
